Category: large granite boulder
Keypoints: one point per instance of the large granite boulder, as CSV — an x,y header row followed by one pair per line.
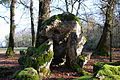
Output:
x,y
66,31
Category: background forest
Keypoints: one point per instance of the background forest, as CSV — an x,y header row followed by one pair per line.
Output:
x,y
91,13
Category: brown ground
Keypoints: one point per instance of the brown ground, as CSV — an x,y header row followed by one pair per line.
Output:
x,y
57,72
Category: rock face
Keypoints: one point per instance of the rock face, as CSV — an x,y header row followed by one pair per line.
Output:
x,y
66,31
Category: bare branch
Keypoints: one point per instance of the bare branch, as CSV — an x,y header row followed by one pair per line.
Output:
x,y
73,3
5,19
78,8
24,4
58,8
66,5
21,18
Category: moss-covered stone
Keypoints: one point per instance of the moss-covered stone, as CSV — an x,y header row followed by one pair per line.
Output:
x,y
98,65
42,48
109,72
62,17
59,28
27,74
40,60
24,58
75,66
81,60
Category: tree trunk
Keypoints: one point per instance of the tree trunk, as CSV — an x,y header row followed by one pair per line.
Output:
x,y
103,46
10,49
44,13
32,23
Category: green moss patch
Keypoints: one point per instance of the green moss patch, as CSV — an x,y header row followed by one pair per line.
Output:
x,y
27,74
109,72
81,60
63,17
75,66
98,65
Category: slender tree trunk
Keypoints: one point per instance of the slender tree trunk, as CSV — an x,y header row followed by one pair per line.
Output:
x,y
32,23
103,47
44,13
10,49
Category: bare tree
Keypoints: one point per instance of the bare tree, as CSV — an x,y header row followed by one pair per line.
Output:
x,y
10,49
32,23
103,46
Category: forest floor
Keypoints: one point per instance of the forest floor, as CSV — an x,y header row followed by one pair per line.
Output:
x,y
57,72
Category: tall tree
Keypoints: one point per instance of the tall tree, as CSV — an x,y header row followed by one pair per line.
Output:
x,y
32,23
103,46
44,13
10,49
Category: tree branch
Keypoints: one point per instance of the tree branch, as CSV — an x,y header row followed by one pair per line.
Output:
x,y
5,18
24,4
